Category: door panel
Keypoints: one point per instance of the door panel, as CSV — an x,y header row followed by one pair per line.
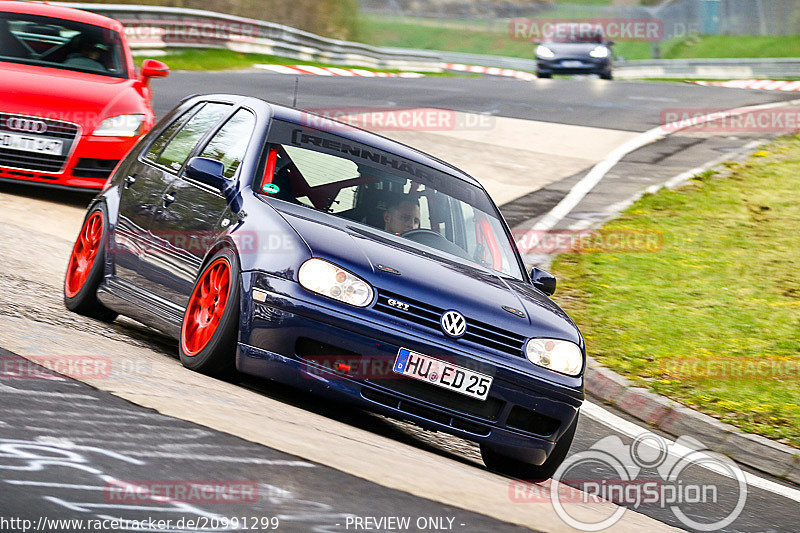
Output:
x,y
199,215
143,186
180,216
187,227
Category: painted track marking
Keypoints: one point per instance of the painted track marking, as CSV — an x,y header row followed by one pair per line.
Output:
x,y
619,424
598,172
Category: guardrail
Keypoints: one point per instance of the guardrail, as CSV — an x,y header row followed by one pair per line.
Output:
x,y
727,69
739,68
159,28
156,27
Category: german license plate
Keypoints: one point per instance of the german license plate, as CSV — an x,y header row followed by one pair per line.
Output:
x,y
442,374
571,64
31,143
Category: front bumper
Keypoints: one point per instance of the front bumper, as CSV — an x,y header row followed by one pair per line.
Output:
x,y
293,339
88,166
582,65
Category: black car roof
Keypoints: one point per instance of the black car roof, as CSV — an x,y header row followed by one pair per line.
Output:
x,y
300,117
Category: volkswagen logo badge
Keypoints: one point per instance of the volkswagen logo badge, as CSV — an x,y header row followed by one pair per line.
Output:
x,y
26,125
454,323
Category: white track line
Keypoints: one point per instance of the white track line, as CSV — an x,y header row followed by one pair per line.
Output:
x,y
598,172
618,424
671,183
573,198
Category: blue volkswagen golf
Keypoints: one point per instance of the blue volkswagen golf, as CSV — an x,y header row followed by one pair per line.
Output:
x,y
276,243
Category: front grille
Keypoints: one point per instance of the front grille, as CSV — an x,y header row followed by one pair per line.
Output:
x,y
479,333
424,412
94,168
36,161
488,409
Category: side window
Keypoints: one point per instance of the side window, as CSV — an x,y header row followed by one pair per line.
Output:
x,y
154,152
181,145
229,145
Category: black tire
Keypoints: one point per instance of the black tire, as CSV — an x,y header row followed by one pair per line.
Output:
x,y
81,297
508,466
608,76
544,75
218,356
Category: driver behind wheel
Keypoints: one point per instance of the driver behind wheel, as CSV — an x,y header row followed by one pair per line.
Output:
x,y
88,54
402,215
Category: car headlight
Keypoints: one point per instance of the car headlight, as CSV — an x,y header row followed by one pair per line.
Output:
x,y
599,52
329,280
557,355
120,126
544,52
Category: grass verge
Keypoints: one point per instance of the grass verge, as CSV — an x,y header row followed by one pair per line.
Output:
x,y
223,59
489,38
711,320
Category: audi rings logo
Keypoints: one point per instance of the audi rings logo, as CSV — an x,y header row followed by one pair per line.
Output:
x,y
26,125
454,323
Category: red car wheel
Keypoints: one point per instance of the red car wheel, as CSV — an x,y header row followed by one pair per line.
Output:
x,y
206,307
84,254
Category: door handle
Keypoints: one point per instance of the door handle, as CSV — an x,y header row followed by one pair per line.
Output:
x,y
168,198
130,180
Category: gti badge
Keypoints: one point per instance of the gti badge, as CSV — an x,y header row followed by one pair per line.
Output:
x,y
26,125
454,323
398,304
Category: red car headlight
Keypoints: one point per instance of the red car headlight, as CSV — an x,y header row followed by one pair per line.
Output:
x,y
120,126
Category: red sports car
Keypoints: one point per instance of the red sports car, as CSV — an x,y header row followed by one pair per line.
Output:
x,y
71,102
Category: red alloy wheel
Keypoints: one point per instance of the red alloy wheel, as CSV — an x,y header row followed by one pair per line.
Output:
x,y
84,254
206,307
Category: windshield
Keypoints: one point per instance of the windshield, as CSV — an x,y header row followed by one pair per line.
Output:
x,y
366,185
62,44
576,33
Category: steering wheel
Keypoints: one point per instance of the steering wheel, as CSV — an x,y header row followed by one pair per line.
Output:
x,y
434,239
418,235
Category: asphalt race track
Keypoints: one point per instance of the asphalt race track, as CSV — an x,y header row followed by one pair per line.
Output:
x,y
317,466
629,106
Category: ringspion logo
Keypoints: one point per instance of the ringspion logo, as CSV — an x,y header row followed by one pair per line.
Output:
x,y
650,471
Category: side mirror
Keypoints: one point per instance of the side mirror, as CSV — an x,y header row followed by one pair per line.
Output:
x,y
209,172
543,280
153,69
212,173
